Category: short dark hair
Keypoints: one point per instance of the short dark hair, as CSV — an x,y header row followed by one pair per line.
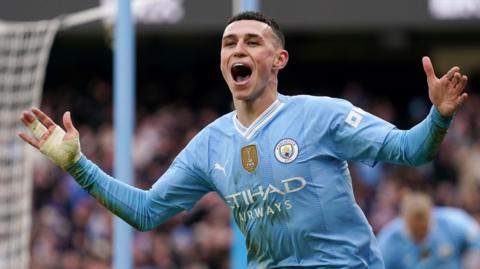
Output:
x,y
257,16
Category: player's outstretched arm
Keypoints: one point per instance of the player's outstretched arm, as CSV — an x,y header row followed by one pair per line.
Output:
x,y
177,189
63,148
60,146
447,93
419,144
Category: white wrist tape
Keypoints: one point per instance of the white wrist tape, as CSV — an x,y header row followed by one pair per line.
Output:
x,y
37,128
62,153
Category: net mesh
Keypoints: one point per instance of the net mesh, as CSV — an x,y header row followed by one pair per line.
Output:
x,y
24,50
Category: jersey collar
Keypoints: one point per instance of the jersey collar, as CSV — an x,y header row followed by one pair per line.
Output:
x,y
263,119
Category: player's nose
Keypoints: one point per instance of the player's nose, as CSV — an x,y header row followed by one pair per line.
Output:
x,y
240,50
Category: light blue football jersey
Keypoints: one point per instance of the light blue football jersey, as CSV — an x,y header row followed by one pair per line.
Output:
x,y
285,177
452,232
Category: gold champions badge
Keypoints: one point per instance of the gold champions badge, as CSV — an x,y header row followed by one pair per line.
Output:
x,y
250,158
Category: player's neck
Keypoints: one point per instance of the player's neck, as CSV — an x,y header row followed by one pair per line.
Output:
x,y
249,110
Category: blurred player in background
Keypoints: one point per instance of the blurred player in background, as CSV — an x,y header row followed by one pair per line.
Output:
x,y
427,237
279,162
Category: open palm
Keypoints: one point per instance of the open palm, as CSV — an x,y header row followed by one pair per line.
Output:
x,y
60,146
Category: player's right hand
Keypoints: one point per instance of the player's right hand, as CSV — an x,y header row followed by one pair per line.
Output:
x,y
62,148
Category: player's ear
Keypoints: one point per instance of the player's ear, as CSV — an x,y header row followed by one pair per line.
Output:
x,y
281,59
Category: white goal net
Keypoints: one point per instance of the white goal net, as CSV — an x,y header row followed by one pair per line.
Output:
x,y
24,50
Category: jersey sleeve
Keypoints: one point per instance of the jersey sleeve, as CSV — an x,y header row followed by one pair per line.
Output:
x,y
176,190
360,136
417,145
185,182
355,134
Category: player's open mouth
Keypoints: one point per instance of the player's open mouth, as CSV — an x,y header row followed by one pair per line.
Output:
x,y
241,72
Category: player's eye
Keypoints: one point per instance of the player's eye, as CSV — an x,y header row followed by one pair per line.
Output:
x,y
228,43
252,43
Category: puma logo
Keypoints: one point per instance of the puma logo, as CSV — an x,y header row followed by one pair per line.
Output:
x,y
221,168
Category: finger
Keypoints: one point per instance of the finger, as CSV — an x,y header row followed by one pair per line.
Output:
x,y
29,140
47,134
451,73
462,99
43,118
67,122
462,84
37,128
24,121
456,79
72,132
27,118
428,68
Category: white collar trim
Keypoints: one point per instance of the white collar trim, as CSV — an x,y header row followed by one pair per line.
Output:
x,y
265,117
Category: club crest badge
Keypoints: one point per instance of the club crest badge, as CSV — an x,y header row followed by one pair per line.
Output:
x,y
286,150
250,158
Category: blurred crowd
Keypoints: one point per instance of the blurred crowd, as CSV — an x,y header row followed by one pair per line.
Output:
x,y
70,230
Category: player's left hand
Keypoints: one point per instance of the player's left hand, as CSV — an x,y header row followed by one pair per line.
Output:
x,y
448,92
